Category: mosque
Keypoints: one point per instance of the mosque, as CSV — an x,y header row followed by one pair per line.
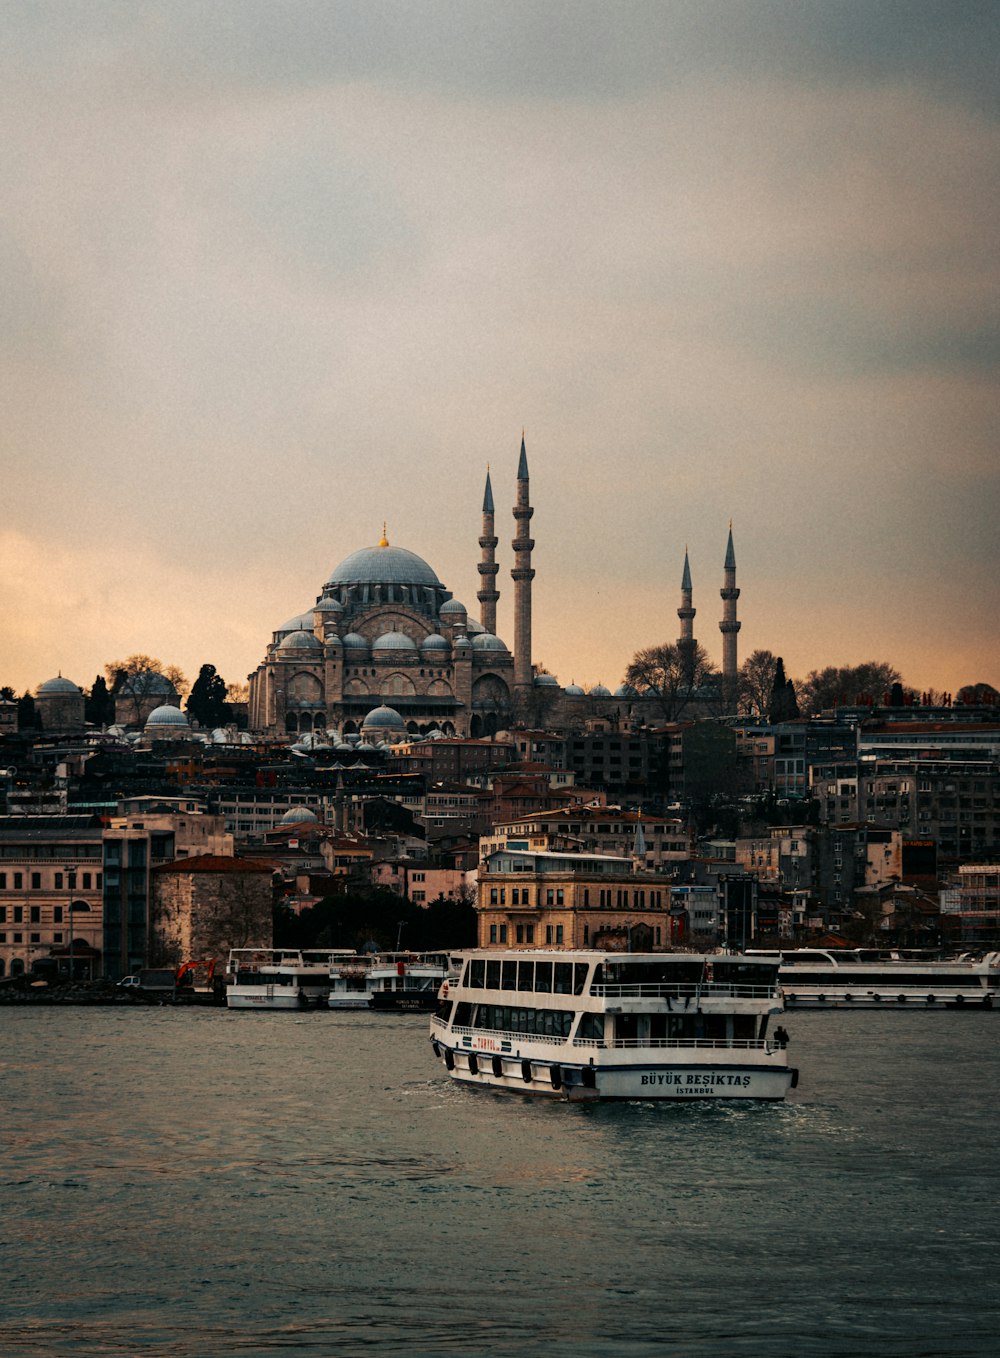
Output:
x,y
387,651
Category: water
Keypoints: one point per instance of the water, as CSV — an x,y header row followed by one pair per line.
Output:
x,y
198,1182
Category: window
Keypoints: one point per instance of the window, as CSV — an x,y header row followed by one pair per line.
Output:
x,y
503,933
18,881
529,933
35,915
36,881
519,933
493,933
3,881
18,915
59,881
559,934
548,933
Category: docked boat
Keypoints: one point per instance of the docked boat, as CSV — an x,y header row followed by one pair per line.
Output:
x,y
409,981
857,978
584,1025
280,978
395,980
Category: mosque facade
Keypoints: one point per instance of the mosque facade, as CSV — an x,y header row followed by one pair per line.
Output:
x,y
385,636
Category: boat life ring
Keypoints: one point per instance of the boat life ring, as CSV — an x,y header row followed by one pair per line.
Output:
x,y
709,972
473,1063
877,999
848,996
444,991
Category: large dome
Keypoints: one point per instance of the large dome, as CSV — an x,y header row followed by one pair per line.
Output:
x,y
384,566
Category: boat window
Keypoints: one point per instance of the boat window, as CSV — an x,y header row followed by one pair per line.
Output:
x,y
592,1027
525,975
580,970
477,973
563,978
509,975
492,975
443,1010
463,1014
543,976
506,1018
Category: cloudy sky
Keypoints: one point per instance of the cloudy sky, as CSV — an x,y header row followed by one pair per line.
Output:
x,y
275,272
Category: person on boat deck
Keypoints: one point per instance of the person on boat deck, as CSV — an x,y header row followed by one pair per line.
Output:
x,y
780,1036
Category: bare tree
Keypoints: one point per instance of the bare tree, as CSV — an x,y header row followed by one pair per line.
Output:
x,y
672,674
844,685
756,682
137,678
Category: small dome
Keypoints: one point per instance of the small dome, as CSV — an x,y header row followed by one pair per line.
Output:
x,y
599,691
302,622
300,641
328,606
486,641
626,691
573,691
57,687
299,815
354,642
450,607
463,643
171,717
474,628
382,719
435,642
546,681
394,641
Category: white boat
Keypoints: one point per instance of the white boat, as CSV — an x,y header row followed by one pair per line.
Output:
x,y
280,978
586,1025
858,978
407,981
395,980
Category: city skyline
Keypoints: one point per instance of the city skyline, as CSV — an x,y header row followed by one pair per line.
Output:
x,y
271,284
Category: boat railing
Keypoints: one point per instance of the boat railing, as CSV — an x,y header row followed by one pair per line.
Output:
x,y
511,1035
737,1043
692,990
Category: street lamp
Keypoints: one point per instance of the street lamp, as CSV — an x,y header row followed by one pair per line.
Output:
x,y
399,932
70,888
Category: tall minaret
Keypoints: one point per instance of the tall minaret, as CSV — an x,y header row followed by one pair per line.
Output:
x,y
489,594
686,612
522,575
729,626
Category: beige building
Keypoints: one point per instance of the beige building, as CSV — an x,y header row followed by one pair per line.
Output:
x,y
203,906
654,840
51,883
569,900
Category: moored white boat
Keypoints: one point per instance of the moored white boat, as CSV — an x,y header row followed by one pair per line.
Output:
x,y
585,1025
859,978
280,978
407,981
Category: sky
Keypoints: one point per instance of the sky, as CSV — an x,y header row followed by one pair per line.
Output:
x,y
275,273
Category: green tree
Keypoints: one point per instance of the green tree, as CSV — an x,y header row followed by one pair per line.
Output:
x,y
783,705
99,708
206,702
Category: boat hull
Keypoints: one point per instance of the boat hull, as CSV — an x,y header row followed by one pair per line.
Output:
x,y
647,1076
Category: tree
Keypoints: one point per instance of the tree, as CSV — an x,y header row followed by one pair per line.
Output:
x,y
671,673
844,685
7,694
27,716
206,702
99,708
237,693
756,681
137,675
783,705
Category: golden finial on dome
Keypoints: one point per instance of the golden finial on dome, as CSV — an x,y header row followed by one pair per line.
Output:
x,y
383,540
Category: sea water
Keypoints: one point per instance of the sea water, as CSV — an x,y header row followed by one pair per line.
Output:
x,y
187,1182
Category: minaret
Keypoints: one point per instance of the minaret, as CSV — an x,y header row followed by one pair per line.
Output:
x,y
685,642
729,626
489,594
522,575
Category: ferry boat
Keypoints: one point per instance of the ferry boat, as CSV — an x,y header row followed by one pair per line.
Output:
x,y
407,981
396,980
585,1025
280,978
858,978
